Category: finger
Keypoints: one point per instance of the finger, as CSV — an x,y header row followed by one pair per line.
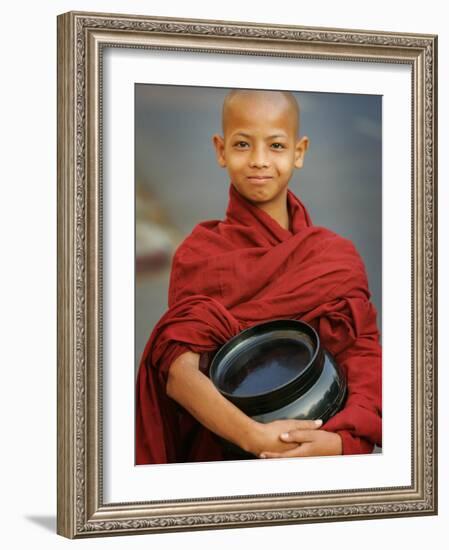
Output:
x,y
306,424
306,449
285,454
298,436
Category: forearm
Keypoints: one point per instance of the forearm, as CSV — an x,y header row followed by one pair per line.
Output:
x,y
189,387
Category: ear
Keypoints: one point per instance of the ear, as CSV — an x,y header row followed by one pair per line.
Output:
x,y
300,150
219,146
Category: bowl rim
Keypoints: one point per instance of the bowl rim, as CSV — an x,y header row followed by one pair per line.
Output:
x,y
304,374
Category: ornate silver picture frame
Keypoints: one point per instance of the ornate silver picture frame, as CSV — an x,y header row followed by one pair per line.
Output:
x,y
83,510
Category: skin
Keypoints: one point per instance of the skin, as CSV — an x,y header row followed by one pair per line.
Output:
x,y
260,148
309,443
196,393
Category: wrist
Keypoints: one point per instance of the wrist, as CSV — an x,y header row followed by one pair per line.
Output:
x,y
252,437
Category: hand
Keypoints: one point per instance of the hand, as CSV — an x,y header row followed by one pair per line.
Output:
x,y
267,437
308,443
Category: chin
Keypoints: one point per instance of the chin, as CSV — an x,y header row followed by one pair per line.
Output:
x,y
258,198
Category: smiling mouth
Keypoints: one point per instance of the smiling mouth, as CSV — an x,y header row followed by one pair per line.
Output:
x,y
259,179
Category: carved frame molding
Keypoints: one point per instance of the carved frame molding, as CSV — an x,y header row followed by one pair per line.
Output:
x,y
81,39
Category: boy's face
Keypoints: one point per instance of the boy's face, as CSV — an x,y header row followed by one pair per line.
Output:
x,y
260,147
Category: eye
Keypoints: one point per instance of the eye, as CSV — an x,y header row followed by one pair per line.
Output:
x,y
278,145
241,144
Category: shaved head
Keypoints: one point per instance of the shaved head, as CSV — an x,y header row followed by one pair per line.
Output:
x,y
269,99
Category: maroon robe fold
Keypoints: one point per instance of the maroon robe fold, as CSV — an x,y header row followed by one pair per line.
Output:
x,y
231,274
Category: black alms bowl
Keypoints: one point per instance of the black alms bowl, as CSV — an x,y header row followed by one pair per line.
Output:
x,y
278,370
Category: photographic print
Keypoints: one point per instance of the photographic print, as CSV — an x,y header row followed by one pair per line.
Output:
x,y
180,182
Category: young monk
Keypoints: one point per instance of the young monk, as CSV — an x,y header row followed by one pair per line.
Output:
x,y
265,260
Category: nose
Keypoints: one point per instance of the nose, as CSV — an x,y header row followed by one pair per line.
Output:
x,y
258,158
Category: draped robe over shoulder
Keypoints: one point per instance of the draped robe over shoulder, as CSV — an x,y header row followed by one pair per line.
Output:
x,y
229,275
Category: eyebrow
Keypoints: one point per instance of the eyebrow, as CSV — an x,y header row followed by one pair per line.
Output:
x,y
269,137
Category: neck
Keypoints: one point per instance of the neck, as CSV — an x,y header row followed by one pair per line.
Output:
x,y
279,212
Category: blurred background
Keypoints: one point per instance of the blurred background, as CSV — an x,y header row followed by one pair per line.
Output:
x,y
178,182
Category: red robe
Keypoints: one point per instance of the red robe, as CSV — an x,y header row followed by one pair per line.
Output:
x,y
228,275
